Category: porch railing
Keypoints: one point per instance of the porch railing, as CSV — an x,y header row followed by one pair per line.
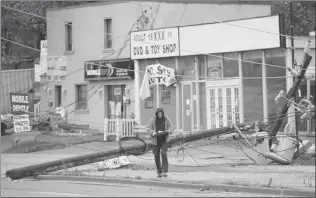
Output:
x,y
119,128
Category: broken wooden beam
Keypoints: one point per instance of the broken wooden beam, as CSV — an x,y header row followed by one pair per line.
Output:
x,y
37,169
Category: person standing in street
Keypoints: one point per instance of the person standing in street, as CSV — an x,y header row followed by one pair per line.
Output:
x,y
159,129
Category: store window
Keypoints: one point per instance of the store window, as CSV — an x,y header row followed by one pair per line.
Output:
x,y
230,65
187,68
276,81
149,102
81,97
165,95
252,82
214,67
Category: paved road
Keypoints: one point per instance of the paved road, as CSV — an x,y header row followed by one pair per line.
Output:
x,y
31,188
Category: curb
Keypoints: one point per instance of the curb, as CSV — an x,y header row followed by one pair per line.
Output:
x,y
182,185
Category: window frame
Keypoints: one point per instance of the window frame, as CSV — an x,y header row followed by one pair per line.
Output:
x,y
68,26
164,91
107,44
77,102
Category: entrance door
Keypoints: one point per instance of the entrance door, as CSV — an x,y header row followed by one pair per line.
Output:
x,y
222,106
187,107
116,105
58,96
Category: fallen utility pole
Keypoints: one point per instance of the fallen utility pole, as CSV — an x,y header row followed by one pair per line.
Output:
x,y
298,79
33,170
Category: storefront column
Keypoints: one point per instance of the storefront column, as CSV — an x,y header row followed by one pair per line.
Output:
x,y
157,92
241,89
264,88
177,96
197,93
309,123
137,88
289,84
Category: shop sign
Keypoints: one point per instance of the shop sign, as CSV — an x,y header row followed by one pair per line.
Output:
x,y
155,43
56,68
21,123
21,103
98,70
43,57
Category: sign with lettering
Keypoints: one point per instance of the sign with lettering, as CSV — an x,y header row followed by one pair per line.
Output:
x,y
21,123
43,57
56,68
104,69
159,74
155,43
21,103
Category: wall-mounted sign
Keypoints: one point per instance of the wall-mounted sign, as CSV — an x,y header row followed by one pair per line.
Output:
x,y
21,103
56,68
222,37
43,57
155,43
104,69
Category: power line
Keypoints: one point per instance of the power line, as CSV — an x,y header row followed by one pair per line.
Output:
x,y
153,43
186,50
254,29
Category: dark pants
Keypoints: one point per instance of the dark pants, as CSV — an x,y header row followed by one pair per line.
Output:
x,y
157,149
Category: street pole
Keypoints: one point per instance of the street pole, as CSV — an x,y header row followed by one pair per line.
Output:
x,y
307,59
296,117
56,165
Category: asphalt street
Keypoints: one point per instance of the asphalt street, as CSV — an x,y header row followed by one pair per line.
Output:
x,y
33,188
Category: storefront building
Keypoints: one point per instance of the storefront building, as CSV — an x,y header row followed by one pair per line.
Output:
x,y
225,74
94,36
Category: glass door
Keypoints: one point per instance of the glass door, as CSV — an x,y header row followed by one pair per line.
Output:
x,y
223,106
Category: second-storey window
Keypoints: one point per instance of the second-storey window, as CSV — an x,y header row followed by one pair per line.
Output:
x,y
68,27
107,33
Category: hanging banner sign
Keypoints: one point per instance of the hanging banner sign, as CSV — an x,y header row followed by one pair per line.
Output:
x,y
159,74
21,123
155,75
155,43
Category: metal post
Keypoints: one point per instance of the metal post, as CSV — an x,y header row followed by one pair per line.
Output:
x,y
264,89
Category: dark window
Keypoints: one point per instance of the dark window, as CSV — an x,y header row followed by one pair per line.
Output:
x,y
149,102
81,97
230,65
58,95
107,33
69,36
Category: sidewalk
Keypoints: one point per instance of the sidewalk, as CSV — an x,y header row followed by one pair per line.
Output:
x,y
216,165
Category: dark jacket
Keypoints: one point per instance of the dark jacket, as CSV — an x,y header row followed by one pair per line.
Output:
x,y
152,127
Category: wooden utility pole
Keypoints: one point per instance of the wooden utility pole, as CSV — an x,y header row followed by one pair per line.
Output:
x,y
291,93
56,165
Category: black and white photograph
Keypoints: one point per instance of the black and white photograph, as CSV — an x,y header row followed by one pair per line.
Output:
x,y
158,98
